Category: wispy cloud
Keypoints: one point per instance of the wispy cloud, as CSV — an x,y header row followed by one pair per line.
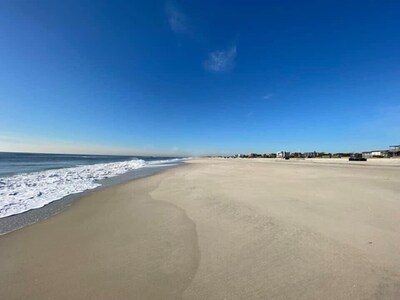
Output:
x,y
221,61
268,96
177,20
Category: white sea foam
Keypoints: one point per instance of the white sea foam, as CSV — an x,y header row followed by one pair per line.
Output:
x,y
23,192
157,163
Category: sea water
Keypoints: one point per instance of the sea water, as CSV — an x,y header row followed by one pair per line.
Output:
x,y
29,181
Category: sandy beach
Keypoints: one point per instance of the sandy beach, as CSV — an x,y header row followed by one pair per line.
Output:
x,y
219,229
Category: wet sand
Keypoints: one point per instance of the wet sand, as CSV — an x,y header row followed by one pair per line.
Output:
x,y
215,229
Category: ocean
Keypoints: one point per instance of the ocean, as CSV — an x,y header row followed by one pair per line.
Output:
x,y
30,181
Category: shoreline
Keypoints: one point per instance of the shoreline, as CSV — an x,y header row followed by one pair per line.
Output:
x,y
215,229
18,221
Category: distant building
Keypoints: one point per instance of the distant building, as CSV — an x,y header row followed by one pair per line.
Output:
x,y
296,155
394,151
310,154
376,153
283,154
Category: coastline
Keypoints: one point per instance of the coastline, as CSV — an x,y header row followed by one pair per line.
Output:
x,y
18,221
215,229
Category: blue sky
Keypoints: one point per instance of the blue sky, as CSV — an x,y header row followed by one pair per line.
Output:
x,y
199,77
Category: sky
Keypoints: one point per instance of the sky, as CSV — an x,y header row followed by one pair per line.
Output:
x,y
199,77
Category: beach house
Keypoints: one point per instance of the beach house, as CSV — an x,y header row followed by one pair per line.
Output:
x,y
394,151
375,153
283,154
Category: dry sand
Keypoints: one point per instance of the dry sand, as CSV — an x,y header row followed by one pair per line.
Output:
x,y
216,229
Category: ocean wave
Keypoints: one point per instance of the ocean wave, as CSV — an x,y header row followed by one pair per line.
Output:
x,y
23,192
165,161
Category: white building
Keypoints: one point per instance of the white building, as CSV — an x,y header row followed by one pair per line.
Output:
x,y
375,153
283,154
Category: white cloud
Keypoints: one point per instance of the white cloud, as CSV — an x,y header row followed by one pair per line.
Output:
x,y
268,96
177,20
221,61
